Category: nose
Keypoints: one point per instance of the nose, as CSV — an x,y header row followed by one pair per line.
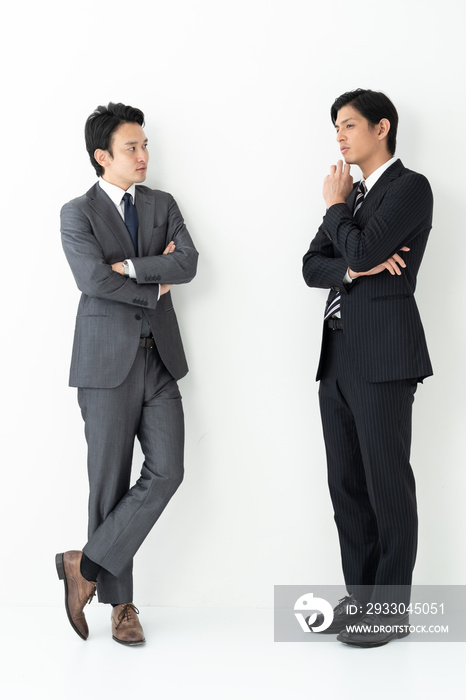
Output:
x,y
340,136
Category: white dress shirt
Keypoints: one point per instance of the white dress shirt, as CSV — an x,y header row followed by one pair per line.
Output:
x,y
116,195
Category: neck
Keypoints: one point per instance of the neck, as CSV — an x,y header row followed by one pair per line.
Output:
x,y
122,185
375,163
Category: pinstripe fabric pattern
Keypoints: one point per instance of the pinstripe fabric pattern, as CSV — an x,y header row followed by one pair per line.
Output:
x,y
369,372
367,432
382,325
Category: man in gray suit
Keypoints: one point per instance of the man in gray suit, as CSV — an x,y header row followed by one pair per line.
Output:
x,y
126,245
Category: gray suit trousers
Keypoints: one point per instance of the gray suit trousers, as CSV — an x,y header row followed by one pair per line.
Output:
x,y
147,405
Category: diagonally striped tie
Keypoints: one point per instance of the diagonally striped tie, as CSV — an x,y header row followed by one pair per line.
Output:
x,y
335,304
362,189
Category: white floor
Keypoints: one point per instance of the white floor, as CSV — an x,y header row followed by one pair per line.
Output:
x,y
210,653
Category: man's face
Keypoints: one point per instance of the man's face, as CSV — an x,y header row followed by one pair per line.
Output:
x,y
358,139
130,156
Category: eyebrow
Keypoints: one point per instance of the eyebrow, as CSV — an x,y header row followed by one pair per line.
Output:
x,y
346,120
134,143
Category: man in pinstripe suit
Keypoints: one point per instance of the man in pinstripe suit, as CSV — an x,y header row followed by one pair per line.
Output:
x,y
368,250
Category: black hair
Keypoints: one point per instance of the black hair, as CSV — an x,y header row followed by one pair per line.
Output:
x,y
374,106
101,125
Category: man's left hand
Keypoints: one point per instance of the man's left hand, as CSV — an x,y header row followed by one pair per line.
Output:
x,y
119,267
393,265
338,184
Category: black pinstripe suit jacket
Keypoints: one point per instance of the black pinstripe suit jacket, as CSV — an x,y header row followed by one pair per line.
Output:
x,y
381,322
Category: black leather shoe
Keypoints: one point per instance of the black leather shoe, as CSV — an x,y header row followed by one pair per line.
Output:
x,y
348,611
375,631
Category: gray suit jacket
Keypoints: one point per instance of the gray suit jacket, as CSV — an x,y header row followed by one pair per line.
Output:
x,y
109,318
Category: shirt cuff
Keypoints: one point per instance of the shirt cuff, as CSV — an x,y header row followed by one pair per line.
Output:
x,y
131,269
347,279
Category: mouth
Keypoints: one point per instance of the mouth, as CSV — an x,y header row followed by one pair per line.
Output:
x,y
343,149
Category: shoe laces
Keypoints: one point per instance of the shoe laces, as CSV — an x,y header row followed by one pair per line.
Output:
x,y
92,593
343,602
127,613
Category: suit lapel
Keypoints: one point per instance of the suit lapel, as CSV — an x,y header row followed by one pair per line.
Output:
x,y
104,207
392,173
372,199
145,206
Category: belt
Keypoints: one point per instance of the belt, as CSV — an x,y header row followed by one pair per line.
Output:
x,y
336,324
146,343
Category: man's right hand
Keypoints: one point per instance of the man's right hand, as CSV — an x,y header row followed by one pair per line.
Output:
x,y
393,265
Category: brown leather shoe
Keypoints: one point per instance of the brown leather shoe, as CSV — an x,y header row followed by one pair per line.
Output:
x,y
126,628
78,591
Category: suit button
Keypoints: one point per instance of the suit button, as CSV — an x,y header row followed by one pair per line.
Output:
x,y
138,317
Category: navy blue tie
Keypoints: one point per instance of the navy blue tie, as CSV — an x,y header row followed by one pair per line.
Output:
x,y
131,219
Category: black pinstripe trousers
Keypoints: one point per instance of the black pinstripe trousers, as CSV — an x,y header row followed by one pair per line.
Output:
x,y
367,433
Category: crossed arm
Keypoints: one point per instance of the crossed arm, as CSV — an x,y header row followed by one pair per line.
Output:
x,y
96,277
337,188
392,265
367,251
164,288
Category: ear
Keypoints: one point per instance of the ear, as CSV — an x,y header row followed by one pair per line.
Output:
x,y
383,128
102,157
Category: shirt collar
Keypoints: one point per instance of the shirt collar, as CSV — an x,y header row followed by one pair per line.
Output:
x,y
373,177
116,193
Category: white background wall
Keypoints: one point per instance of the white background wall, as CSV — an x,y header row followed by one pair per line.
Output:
x,y
237,98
